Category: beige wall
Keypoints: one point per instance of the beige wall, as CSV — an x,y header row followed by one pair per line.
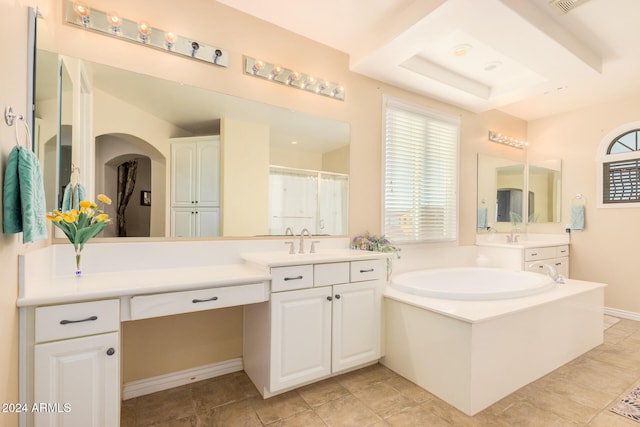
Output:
x,y
13,83
240,35
606,251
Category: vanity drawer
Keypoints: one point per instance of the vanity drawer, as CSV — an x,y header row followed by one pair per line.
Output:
x,y
146,306
330,274
368,270
57,322
533,254
289,278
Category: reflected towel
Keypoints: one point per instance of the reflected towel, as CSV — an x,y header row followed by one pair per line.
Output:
x,y
577,217
482,217
73,195
23,198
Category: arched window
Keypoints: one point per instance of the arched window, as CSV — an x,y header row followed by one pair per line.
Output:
x,y
621,169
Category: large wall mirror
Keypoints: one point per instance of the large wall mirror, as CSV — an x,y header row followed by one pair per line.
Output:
x,y
512,193
277,170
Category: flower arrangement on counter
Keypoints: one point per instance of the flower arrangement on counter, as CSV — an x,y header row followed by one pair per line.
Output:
x,y
81,225
371,242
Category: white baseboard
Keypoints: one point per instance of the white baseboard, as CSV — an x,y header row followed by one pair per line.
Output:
x,y
623,314
175,379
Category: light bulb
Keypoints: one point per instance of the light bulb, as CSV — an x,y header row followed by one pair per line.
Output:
x,y
275,72
144,29
170,39
114,21
294,76
257,66
82,11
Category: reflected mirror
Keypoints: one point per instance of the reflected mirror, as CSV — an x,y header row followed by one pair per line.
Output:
x,y
501,184
122,126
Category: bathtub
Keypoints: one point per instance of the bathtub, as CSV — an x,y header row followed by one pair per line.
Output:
x,y
471,346
472,283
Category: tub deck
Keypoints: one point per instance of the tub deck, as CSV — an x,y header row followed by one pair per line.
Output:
x,y
473,353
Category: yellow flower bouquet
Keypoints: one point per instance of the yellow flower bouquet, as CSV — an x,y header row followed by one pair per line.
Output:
x,y
81,225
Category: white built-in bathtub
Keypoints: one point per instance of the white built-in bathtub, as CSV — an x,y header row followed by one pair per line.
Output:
x,y
472,283
472,346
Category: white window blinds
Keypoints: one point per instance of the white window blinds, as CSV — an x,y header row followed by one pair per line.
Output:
x,y
420,174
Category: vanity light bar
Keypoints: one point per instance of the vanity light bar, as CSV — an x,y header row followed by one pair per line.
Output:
x,y
298,80
111,24
506,140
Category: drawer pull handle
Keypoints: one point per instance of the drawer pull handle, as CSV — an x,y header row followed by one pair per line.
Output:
x,y
195,301
558,263
534,254
293,278
329,298
367,271
337,296
88,319
111,351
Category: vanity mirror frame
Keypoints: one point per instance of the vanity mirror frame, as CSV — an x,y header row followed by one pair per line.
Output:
x,y
86,171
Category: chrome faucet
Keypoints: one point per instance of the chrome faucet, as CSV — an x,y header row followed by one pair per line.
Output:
x,y
512,237
288,231
304,230
552,271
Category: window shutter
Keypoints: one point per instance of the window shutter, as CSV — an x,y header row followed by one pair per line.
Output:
x,y
420,174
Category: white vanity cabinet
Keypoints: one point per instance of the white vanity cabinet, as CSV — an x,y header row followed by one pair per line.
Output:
x,y
557,256
77,364
322,319
195,186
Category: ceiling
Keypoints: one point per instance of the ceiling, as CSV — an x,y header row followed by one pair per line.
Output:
x,y
527,58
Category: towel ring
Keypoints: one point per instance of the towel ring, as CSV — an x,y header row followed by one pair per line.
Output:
x,y
10,118
579,199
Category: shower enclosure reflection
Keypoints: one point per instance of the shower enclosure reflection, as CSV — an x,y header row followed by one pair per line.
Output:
x,y
314,200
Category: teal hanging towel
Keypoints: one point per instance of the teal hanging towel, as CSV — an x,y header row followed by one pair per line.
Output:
x,y
24,205
577,217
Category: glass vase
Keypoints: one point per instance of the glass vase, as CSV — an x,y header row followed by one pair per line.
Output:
x,y
78,264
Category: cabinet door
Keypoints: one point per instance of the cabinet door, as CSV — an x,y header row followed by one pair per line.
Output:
x,y
183,169
207,222
208,173
183,222
79,380
300,336
356,324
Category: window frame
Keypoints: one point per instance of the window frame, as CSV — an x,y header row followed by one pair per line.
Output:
x,y
390,102
603,158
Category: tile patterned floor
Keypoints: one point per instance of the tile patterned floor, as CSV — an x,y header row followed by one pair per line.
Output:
x,y
577,394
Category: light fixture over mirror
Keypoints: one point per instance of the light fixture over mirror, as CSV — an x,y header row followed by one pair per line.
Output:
x,y
141,32
293,78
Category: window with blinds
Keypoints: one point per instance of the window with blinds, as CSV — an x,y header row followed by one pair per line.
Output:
x,y
621,178
420,174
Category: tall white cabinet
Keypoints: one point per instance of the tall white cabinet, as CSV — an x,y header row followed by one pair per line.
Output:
x,y
195,186
322,319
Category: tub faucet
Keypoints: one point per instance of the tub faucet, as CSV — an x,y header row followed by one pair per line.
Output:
x,y
552,271
304,230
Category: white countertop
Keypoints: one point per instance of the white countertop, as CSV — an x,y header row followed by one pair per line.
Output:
x,y
283,259
91,286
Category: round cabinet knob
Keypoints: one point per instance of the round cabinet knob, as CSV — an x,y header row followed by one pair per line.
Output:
x,y
111,351
329,298
337,296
